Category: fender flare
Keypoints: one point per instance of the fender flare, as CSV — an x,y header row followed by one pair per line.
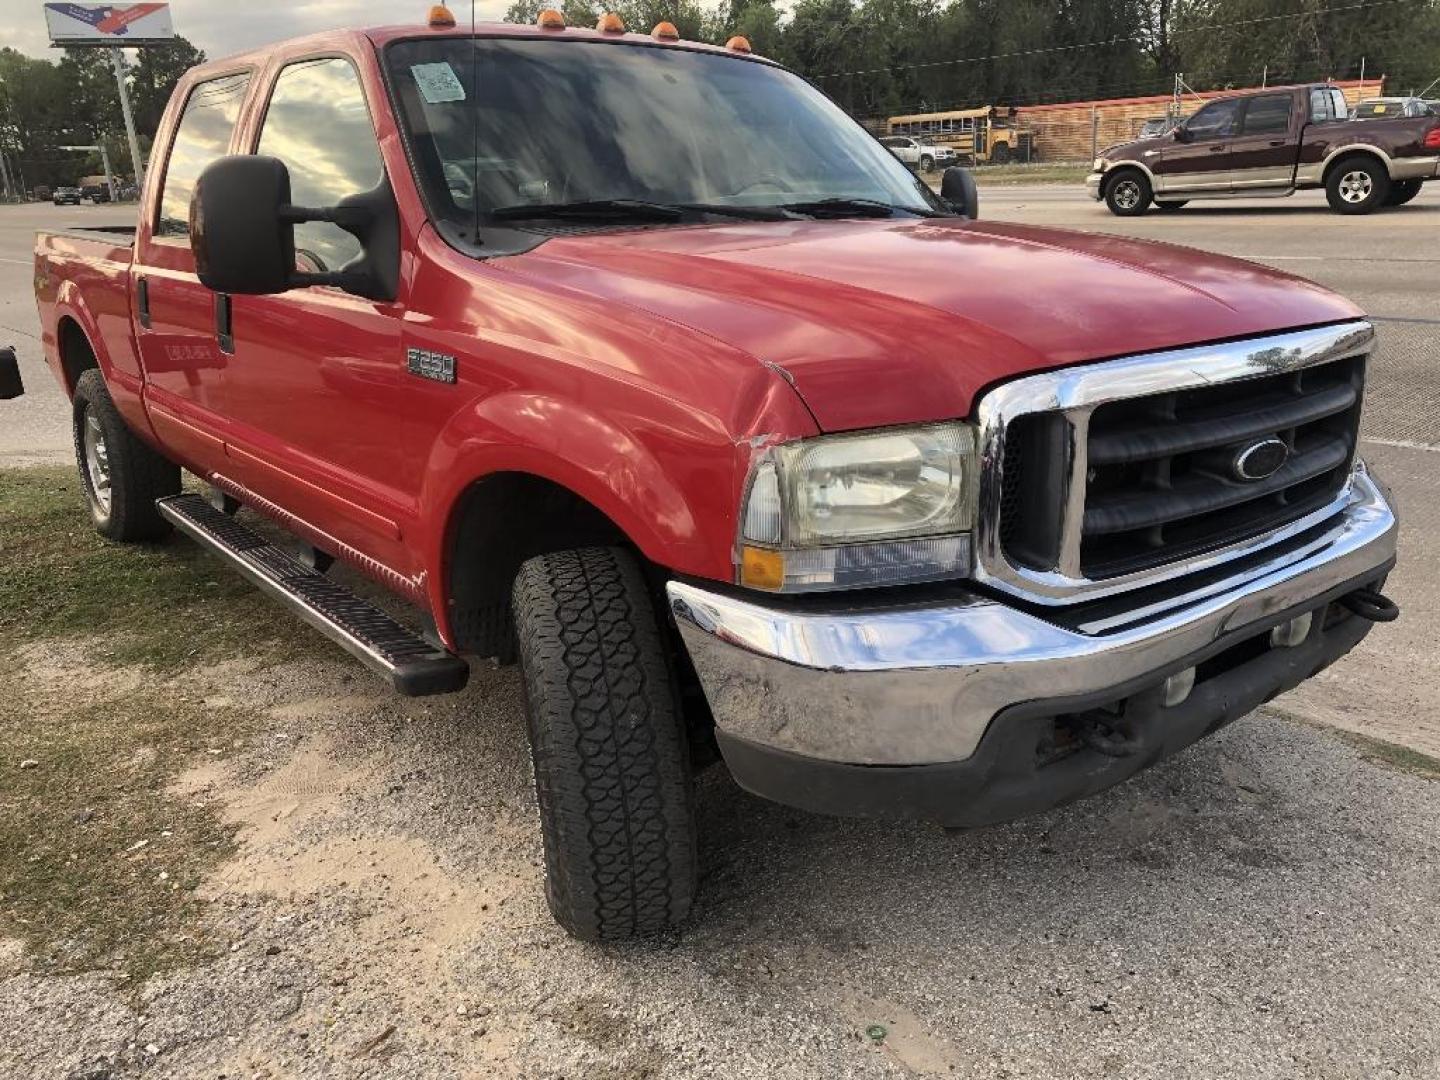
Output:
x,y
1354,148
70,304
556,439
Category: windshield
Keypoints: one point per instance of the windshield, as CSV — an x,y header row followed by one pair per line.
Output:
x,y
511,124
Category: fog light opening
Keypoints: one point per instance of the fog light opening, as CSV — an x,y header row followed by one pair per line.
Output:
x,y
1288,635
1178,687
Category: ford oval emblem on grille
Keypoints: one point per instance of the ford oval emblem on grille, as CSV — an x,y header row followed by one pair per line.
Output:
x,y
1259,460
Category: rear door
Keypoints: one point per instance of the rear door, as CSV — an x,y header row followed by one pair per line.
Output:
x,y
1263,151
1202,161
175,314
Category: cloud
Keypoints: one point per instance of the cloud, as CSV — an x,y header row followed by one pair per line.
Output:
x,y
223,27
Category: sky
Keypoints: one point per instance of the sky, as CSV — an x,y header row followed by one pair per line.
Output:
x,y
222,27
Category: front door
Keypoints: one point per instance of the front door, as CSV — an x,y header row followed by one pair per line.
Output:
x,y
1262,152
316,389
1198,156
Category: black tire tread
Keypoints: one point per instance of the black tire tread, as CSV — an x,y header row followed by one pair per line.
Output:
x,y
1379,196
612,775
138,474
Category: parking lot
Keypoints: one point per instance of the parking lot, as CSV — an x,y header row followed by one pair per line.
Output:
x,y
1262,906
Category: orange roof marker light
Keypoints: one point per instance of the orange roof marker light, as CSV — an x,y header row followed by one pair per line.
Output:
x,y
550,19
665,31
610,23
441,18
738,44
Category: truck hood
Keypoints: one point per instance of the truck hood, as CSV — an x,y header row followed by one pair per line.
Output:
x,y
894,322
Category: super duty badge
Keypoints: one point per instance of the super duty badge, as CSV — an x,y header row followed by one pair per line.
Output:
x,y
430,365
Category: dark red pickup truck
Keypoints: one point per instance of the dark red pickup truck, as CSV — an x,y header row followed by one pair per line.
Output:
x,y
1273,142
636,360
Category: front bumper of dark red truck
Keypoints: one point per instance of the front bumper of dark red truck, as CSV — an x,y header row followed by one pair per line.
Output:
x,y
980,701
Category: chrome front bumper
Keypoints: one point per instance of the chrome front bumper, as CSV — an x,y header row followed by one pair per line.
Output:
x,y
920,683
1092,184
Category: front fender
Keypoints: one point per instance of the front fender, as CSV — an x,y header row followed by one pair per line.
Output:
x,y
672,492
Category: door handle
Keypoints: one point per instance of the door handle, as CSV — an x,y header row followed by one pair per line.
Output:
x,y
224,330
1277,142
1219,149
142,301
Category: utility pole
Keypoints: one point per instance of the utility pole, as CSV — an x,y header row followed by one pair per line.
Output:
x,y
117,59
5,177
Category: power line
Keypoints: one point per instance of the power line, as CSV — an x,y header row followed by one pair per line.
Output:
x,y
1117,40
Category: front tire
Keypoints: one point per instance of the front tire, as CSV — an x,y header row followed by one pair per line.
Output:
x,y
1128,193
1000,155
612,769
1402,191
121,476
1357,185
927,163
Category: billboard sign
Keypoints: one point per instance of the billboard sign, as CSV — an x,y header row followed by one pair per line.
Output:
x,y
125,25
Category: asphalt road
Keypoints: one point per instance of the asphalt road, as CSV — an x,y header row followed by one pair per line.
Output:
x,y
1261,906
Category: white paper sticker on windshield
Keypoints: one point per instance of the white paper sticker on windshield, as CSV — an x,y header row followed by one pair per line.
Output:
x,y
437,82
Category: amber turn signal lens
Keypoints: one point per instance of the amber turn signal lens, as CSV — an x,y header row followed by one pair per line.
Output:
x,y
665,31
610,23
738,44
550,19
761,568
441,18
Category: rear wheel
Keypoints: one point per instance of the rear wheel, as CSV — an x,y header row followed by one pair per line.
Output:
x,y
1357,185
612,770
122,476
1127,194
1402,191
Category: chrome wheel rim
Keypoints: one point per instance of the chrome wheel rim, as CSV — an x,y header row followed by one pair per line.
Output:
x,y
97,462
1127,194
1355,187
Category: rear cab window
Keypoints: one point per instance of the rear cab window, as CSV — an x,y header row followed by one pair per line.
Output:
x,y
202,135
1267,115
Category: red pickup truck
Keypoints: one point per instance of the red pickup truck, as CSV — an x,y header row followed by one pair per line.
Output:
x,y
1269,143
637,361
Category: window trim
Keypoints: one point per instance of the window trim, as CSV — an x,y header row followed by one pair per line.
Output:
x,y
157,237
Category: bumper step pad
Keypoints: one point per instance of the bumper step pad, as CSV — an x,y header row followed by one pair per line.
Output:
x,y
414,666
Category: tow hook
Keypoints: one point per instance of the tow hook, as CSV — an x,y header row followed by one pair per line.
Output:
x,y
1371,604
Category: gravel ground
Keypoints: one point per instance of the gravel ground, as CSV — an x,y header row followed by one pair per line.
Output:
x,y
1262,906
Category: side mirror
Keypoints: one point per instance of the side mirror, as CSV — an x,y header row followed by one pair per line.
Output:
x,y
957,187
242,231
11,385
1181,134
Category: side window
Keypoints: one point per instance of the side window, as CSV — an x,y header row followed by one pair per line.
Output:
x,y
1268,115
202,135
1320,106
1215,120
1337,104
318,125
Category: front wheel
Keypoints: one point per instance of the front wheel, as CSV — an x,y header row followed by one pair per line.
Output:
x,y
927,163
612,768
1128,194
122,477
1357,185
1000,155
1402,191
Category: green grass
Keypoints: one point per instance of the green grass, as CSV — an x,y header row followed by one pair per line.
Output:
x,y
1031,174
72,885
160,605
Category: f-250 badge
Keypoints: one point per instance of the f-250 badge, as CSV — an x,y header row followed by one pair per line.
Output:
x,y
430,365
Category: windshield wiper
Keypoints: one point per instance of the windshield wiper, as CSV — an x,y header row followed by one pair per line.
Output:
x,y
592,209
747,213
855,208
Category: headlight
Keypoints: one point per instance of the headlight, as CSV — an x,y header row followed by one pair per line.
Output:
x,y
1099,165
850,511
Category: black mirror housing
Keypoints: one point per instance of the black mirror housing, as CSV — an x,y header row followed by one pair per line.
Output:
x,y
238,232
957,187
242,231
1181,134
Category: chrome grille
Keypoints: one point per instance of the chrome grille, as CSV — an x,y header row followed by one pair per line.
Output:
x,y
1128,466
